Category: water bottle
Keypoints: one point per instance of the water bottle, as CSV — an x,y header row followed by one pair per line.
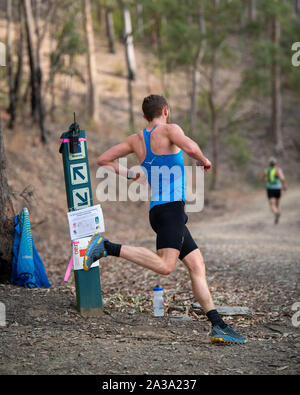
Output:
x,y
158,301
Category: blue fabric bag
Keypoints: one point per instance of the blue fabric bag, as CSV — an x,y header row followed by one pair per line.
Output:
x,y
27,267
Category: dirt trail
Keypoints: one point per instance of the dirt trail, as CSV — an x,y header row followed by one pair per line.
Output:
x,y
250,262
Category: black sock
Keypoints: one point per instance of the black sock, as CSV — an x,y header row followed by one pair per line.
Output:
x,y
112,248
215,318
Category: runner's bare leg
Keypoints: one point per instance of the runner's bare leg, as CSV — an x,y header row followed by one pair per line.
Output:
x,y
195,264
162,262
273,205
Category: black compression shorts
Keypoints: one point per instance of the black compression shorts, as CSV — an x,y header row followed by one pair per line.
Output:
x,y
274,193
168,222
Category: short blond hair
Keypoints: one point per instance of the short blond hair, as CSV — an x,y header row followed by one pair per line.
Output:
x,y
272,161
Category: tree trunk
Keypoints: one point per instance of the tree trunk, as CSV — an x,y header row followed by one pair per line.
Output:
x,y
213,115
110,30
33,43
252,10
196,77
91,61
128,42
20,51
31,54
214,125
194,95
12,107
100,12
140,21
6,217
39,74
295,6
51,80
130,60
276,116
130,102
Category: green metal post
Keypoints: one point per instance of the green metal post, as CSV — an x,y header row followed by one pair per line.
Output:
x,y
79,196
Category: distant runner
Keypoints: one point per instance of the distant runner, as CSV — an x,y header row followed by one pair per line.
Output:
x,y
275,181
160,145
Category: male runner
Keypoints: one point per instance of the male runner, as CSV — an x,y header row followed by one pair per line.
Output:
x,y
161,144
275,181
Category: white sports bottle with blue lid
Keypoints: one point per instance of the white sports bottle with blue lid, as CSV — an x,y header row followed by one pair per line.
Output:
x,y
158,301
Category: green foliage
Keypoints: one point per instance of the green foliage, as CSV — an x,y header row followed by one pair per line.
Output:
x,y
256,81
291,73
202,135
118,23
294,79
69,41
238,143
270,8
261,50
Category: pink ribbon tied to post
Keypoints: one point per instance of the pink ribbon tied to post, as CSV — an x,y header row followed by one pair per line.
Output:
x,y
69,268
68,140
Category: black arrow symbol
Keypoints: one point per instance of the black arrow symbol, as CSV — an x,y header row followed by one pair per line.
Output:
x,y
76,172
84,200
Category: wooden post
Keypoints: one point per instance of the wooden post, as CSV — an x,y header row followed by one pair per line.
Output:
x,y
79,196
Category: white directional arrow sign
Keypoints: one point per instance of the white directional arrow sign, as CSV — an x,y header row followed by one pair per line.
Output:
x,y
79,173
81,198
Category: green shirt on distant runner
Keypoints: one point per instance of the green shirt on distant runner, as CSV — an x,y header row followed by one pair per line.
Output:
x,y
273,181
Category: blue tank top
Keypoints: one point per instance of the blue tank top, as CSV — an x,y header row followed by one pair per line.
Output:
x,y
165,174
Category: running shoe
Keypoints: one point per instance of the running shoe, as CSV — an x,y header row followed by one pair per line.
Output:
x,y
277,215
95,250
226,335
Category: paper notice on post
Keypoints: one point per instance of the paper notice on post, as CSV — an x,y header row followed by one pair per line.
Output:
x,y
86,222
79,249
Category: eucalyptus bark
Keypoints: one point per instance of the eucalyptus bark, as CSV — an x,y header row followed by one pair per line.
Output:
x,y
276,117
130,60
213,114
20,52
91,61
110,30
39,75
128,42
252,10
140,21
214,121
196,76
295,4
6,217
29,23
11,108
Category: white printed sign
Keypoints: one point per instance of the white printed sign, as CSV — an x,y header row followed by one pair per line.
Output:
x,y
79,248
86,222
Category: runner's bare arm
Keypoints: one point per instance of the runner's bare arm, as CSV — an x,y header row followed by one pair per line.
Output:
x,y
282,178
262,176
109,157
190,147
